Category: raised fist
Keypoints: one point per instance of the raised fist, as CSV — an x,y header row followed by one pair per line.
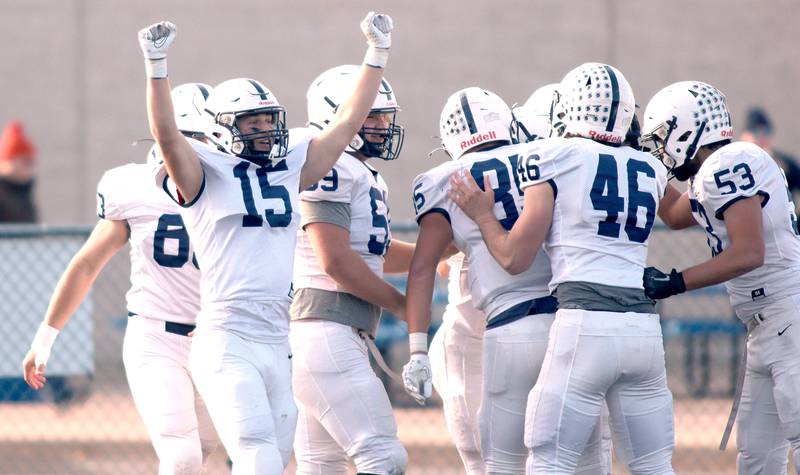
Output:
x,y
156,38
377,28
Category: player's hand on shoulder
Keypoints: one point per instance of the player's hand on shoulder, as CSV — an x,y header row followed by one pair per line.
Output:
x,y
658,285
477,204
33,375
156,39
418,378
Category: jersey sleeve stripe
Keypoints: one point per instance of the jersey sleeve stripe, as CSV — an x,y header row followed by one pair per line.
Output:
x,y
441,211
720,213
177,199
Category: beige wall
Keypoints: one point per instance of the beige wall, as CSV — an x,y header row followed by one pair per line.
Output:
x,y
72,70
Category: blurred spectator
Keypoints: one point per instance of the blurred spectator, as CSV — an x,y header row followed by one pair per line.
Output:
x,y
17,161
758,130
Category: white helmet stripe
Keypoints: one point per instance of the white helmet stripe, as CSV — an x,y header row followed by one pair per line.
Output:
x,y
612,112
468,113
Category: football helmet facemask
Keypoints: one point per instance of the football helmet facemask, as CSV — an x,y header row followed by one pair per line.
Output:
x,y
251,122
680,119
380,136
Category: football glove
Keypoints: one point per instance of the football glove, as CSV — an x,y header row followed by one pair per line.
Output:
x,y
658,285
377,28
154,42
417,377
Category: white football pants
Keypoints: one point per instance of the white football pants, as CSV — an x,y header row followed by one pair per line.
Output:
x,y
344,409
769,415
247,387
513,356
596,356
455,354
157,366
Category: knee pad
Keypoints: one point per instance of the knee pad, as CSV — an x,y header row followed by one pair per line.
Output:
x,y
180,458
379,455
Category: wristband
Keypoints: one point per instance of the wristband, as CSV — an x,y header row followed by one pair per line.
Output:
x,y
156,68
418,342
43,343
376,57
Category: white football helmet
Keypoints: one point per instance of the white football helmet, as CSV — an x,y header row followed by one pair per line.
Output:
x,y
189,104
683,117
239,98
594,101
532,120
472,117
331,88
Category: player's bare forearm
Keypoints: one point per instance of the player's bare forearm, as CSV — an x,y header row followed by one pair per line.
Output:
x,y
419,294
351,272
180,159
499,244
398,257
325,149
434,236
745,253
106,239
675,209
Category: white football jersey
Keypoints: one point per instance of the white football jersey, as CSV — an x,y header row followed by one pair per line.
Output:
x,y
459,298
165,280
743,170
605,207
243,225
357,184
493,289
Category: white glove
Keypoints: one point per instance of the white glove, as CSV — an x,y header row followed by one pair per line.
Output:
x,y
417,377
155,41
377,28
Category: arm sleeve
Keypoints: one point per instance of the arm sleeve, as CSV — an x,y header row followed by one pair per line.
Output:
x,y
544,161
735,176
113,197
429,192
325,212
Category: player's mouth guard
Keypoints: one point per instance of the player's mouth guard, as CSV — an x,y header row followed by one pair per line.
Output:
x,y
376,353
752,322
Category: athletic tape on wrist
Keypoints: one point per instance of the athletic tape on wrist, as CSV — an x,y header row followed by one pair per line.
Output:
x,y
418,342
156,68
376,57
43,342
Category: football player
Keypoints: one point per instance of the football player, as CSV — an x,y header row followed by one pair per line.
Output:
x,y
592,201
738,195
532,119
475,127
343,249
156,345
455,356
241,207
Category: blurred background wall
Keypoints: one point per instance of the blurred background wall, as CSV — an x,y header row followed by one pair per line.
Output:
x,y
73,73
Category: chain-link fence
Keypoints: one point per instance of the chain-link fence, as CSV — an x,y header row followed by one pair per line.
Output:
x,y
85,422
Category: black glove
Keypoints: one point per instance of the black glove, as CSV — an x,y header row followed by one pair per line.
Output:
x,y
658,285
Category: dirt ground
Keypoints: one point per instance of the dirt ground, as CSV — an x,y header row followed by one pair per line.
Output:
x,y
103,435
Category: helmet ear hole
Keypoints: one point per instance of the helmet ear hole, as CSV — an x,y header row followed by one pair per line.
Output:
x,y
685,136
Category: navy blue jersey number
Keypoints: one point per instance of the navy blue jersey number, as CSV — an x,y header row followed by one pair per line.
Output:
x,y
730,186
329,182
716,244
170,226
605,197
419,198
502,194
253,218
377,244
